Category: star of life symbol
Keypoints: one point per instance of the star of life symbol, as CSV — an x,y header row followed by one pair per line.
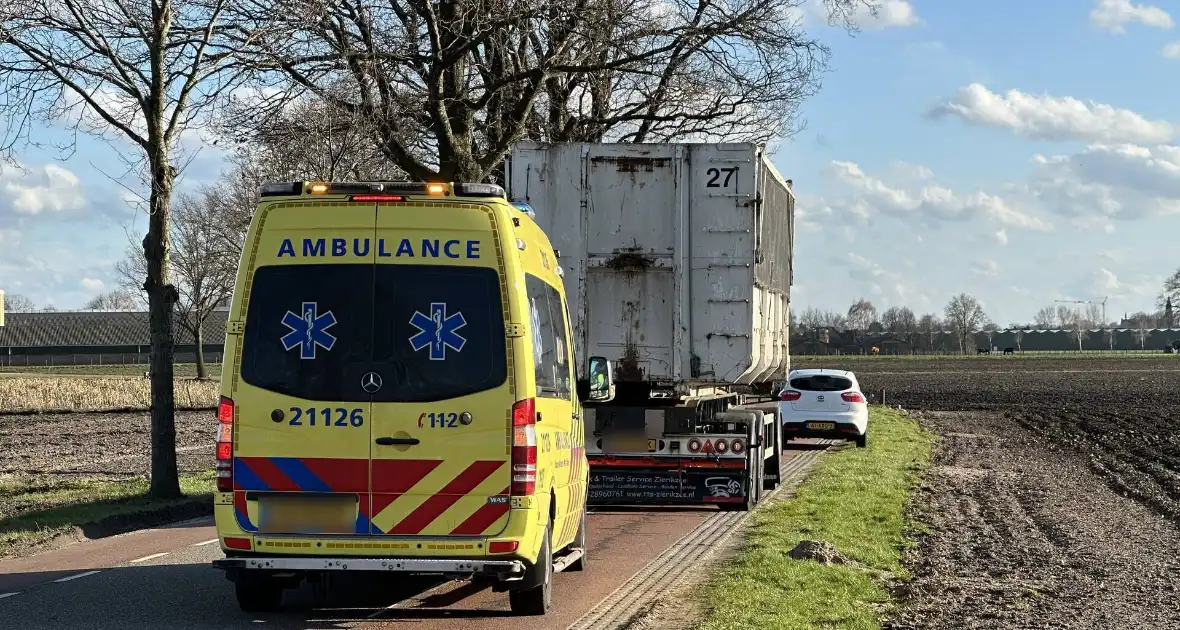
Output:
x,y
309,330
437,331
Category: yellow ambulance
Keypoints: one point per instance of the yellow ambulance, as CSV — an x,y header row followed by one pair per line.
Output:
x,y
398,394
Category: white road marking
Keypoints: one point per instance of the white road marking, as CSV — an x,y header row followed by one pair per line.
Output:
x,y
76,576
151,557
3,595
207,542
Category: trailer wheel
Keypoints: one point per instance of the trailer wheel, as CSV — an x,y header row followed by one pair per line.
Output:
x,y
774,461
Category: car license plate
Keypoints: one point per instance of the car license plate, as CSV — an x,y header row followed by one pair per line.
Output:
x,y
307,515
821,426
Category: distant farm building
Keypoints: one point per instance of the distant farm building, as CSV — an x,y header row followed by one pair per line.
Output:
x,y
93,337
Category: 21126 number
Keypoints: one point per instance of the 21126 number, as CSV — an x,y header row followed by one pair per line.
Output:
x,y
343,417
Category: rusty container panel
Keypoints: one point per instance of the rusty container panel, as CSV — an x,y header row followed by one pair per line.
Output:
x,y
676,256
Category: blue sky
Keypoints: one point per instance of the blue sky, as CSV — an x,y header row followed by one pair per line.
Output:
x,y
1019,151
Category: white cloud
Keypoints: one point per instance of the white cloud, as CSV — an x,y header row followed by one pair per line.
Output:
x,y
932,203
1001,237
92,285
1113,15
1113,181
890,14
881,283
1171,50
1046,117
986,268
39,189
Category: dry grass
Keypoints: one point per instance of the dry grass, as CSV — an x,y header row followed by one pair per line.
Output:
x,y
45,394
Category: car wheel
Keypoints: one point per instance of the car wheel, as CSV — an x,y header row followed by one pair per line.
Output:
x,y
536,600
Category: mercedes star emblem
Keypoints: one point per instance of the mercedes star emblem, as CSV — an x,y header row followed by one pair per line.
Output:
x,y
371,382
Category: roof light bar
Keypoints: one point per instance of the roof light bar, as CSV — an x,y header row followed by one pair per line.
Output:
x,y
277,189
377,198
468,189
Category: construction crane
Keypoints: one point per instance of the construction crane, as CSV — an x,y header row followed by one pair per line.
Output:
x,y
1102,302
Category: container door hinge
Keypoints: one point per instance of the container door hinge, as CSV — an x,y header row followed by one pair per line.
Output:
x,y
514,330
235,328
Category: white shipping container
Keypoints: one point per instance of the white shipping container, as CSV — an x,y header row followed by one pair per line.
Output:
x,y
678,258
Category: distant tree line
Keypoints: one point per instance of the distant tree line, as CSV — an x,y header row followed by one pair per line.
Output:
x,y
963,319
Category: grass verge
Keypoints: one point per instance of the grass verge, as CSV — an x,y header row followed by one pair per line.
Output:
x,y
854,500
63,394
34,511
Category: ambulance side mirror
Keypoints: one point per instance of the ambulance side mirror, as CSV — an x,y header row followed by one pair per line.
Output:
x,y
602,380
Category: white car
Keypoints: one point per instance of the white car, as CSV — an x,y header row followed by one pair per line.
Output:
x,y
822,403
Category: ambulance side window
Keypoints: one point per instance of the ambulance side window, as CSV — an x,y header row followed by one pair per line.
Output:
x,y
550,354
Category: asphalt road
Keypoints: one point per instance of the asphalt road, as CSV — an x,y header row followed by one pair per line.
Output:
x,y
162,578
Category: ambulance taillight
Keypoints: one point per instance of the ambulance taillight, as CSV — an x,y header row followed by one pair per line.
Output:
x,y
225,445
524,448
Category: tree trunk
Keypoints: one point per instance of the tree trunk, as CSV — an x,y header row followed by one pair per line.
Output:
x,y
162,297
199,336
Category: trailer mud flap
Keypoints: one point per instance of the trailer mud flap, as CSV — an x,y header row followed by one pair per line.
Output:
x,y
662,486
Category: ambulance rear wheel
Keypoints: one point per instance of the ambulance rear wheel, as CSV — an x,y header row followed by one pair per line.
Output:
x,y
536,600
258,594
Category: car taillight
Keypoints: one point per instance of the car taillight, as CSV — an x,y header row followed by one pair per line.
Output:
x,y
738,447
694,446
722,446
524,447
789,394
853,397
225,445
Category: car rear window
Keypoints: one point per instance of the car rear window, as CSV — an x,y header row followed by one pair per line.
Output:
x,y
821,383
430,332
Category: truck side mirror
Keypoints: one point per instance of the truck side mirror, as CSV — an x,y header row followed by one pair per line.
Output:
x,y
602,380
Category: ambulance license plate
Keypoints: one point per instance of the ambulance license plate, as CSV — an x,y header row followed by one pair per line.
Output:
x,y
307,515
821,426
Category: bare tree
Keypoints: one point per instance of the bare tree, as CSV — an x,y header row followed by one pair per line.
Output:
x,y
447,87
861,315
1018,336
117,300
205,275
965,316
928,325
1046,318
1170,291
989,330
17,303
1066,316
144,71
1143,325
1109,333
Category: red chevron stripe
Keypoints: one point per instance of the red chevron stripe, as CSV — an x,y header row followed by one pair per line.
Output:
x,y
240,502
483,518
398,476
393,477
270,474
341,475
434,506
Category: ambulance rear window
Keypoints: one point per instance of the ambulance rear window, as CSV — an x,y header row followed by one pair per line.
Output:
x,y
428,332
